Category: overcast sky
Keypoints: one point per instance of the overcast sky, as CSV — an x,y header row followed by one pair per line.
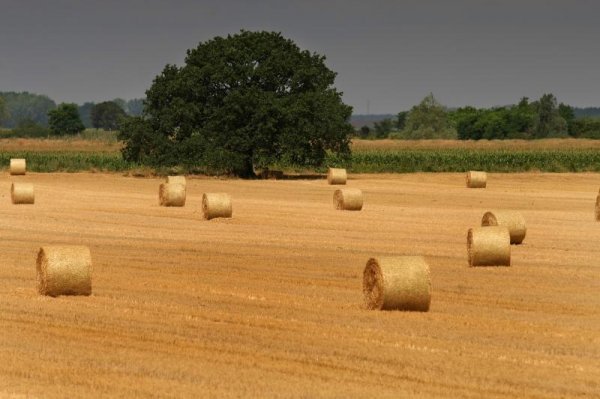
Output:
x,y
387,53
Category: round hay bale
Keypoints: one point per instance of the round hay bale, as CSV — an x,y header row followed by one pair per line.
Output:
x,y
397,283
171,194
488,246
511,219
336,176
22,193
64,270
349,199
176,180
18,166
216,205
476,179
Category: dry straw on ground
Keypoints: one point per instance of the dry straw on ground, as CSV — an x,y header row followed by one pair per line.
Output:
x,y
64,270
336,176
176,180
18,166
216,205
22,193
171,194
488,246
476,179
348,199
511,219
397,283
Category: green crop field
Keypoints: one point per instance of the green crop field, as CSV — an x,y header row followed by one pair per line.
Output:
x,y
367,157
68,161
460,160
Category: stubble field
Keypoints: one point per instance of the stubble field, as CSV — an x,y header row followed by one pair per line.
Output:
x,y
269,303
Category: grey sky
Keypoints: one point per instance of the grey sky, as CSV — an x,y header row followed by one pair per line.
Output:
x,y
391,53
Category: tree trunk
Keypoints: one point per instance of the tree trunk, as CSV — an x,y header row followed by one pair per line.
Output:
x,y
247,169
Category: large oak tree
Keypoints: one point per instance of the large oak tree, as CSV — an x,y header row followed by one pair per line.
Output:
x,y
241,102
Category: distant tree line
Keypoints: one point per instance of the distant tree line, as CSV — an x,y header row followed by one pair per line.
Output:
x,y
25,106
105,115
542,118
30,114
588,112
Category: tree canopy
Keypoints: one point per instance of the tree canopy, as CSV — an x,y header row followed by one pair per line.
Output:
x,y
537,119
107,115
26,107
383,128
65,120
240,102
3,111
428,120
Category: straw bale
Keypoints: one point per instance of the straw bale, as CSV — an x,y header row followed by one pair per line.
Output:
x,y
397,283
598,208
176,180
476,179
511,219
336,176
64,270
18,166
22,193
216,205
171,194
348,199
488,246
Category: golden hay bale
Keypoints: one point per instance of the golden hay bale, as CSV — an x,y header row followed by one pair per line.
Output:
x,y
18,166
349,199
511,219
216,205
176,180
171,194
22,193
488,246
336,176
476,179
598,207
401,283
64,270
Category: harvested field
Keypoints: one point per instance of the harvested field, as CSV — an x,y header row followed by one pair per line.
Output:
x,y
540,144
270,303
59,145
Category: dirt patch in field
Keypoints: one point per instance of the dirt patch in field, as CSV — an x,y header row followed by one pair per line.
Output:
x,y
270,302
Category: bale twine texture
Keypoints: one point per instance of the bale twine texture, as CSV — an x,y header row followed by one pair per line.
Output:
x,y
511,219
22,193
64,270
488,246
336,176
171,194
216,205
397,283
18,166
476,179
349,199
176,180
